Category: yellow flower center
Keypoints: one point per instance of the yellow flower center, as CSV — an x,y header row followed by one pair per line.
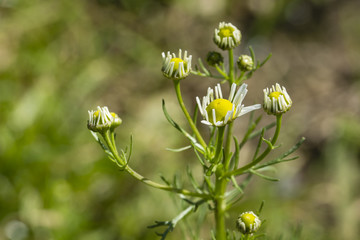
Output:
x,y
221,106
96,114
248,219
275,95
176,62
226,32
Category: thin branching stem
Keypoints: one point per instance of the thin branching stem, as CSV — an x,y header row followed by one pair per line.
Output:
x,y
263,155
187,115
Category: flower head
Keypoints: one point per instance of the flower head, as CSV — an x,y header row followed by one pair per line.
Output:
x,y
218,111
245,63
176,67
227,36
276,100
102,120
248,222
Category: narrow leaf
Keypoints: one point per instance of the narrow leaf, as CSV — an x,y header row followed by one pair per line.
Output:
x,y
259,144
282,157
264,176
186,134
266,59
178,149
257,133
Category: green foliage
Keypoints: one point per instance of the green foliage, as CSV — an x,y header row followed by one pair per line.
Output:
x,y
59,58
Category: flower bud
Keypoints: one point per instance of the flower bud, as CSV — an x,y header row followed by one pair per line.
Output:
x,y
248,223
214,58
227,36
276,100
176,68
245,63
102,120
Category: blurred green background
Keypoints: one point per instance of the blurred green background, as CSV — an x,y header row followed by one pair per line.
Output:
x,y
59,59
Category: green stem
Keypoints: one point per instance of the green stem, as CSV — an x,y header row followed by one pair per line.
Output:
x,y
231,66
162,186
221,71
221,183
187,115
263,155
220,208
220,189
111,145
228,146
219,143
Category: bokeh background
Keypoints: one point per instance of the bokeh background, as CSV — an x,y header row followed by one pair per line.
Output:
x,y
60,58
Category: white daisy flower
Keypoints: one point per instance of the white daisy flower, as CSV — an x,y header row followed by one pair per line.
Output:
x,y
276,100
248,222
218,111
227,36
176,67
102,120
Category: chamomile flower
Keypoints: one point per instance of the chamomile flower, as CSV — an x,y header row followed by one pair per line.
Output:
x,y
276,100
102,120
218,111
248,223
227,36
176,67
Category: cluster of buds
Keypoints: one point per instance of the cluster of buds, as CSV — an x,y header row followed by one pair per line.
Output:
x,y
102,120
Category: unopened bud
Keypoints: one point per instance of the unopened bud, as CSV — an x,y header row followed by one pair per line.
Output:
x,y
245,63
248,223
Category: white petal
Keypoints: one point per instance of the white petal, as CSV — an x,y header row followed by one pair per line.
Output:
x,y
249,109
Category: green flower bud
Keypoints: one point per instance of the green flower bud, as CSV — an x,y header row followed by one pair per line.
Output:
x,y
248,223
245,63
214,58
102,120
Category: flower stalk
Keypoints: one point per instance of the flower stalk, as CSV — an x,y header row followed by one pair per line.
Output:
x,y
187,115
111,145
243,169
